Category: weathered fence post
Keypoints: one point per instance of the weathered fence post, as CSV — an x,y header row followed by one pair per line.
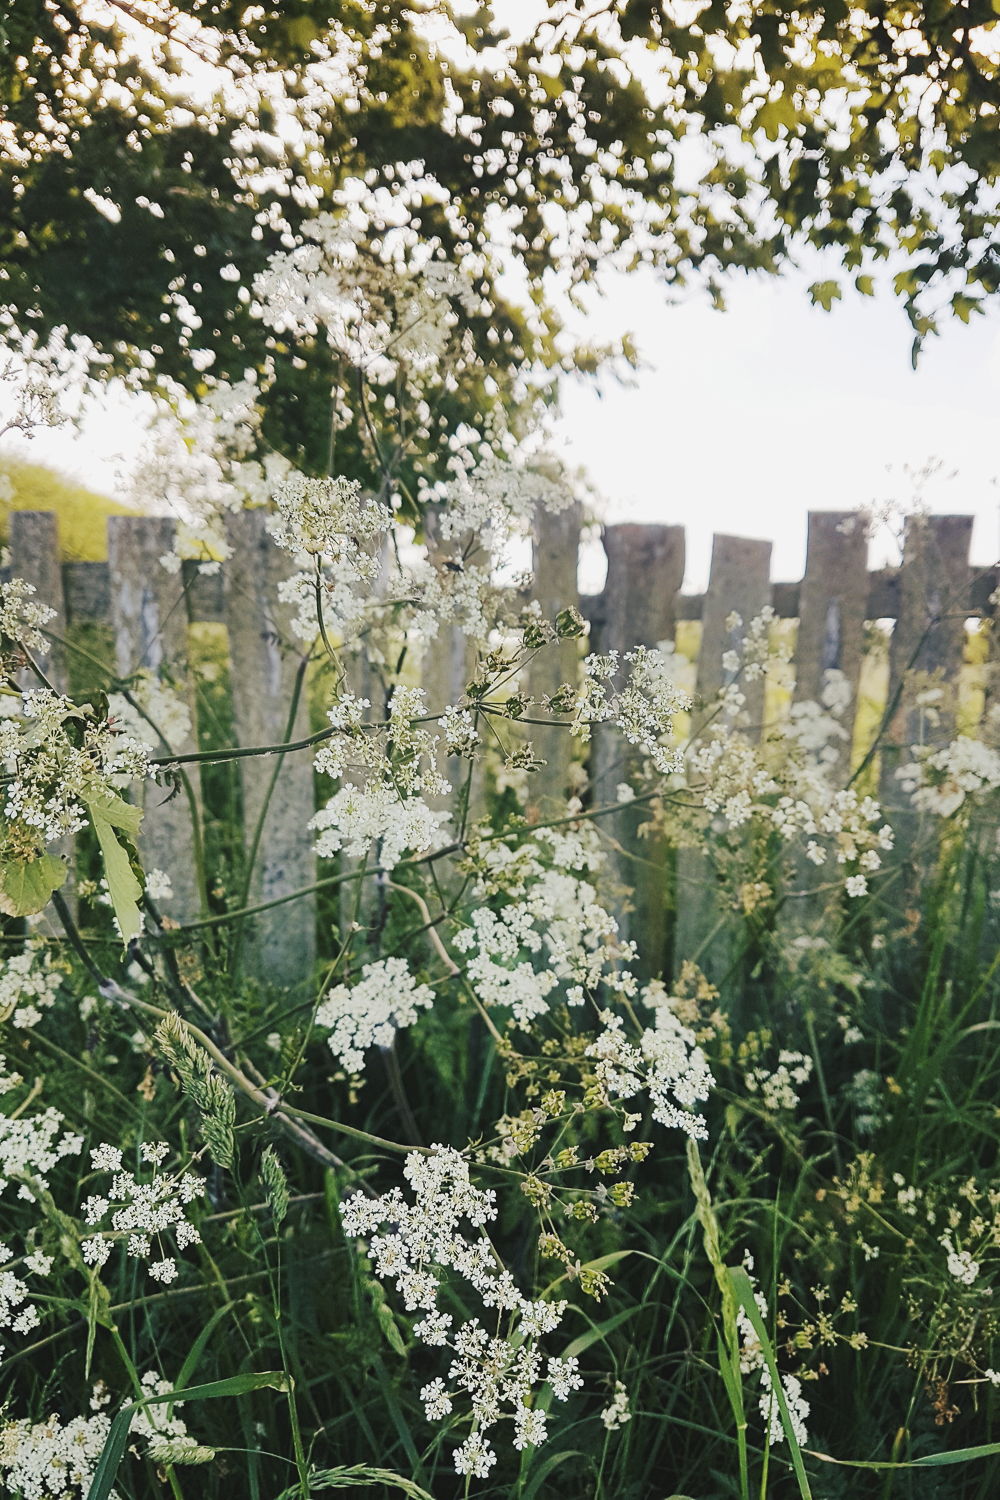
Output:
x,y
925,661
34,556
645,572
268,670
149,622
739,586
555,558
833,601
927,644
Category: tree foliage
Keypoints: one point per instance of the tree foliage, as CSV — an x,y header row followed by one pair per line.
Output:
x,y
144,153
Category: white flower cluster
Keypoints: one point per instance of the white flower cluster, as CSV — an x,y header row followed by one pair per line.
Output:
x,y
52,777
617,1414
643,710
939,782
167,710
42,1459
369,1014
46,1459
20,619
798,1408
424,1238
578,933
166,1436
733,781
668,1063
196,459
28,986
328,518
752,1358
355,818
960,1262
776,1088
30,1147
387,809
141,1211
13,1292
377,316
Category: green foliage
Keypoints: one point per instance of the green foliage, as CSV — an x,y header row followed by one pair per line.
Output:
x,y
28,885
108,814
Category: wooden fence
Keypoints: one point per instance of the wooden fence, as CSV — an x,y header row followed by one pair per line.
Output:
x,y
146,613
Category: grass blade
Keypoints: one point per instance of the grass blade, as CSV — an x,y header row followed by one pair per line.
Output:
x,y
117,1439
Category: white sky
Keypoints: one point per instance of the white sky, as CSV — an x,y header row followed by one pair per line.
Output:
x,y
742,421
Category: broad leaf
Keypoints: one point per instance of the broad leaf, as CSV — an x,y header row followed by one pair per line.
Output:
x,y
27,888
108,813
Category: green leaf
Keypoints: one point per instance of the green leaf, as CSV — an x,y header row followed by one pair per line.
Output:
x,y
117,1439
198,1348
964,307
825,293
344,1478
108,813
547,1468
865,285
27,887
744,1293
928,1461
599,1331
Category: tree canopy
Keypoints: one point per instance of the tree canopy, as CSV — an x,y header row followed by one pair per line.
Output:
x,y
153,155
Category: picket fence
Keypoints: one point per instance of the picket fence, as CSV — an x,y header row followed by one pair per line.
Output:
x,y
148,610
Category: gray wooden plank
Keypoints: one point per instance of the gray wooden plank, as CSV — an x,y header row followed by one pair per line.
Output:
x,y
739,584
149,622
266,658
645,571
555,558
833,603
34,556
87,591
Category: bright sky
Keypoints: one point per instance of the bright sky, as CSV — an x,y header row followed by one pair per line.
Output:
x,y
742,421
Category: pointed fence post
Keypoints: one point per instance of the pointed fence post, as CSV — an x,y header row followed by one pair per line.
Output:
x,y
645,572
555,558
833,601
739,584
149,623
267,667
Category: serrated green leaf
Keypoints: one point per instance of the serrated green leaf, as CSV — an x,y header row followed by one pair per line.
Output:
x,y
27,888
108,813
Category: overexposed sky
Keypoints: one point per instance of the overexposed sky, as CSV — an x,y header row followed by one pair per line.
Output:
x,y
743,421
